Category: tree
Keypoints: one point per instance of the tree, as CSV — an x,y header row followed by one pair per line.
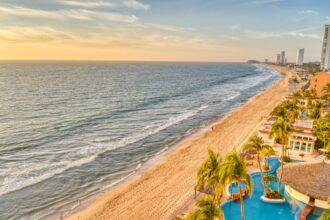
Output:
x,y
326,93
315,110
233,169
267,151
322,130
268,178
256,143
279,132
208,209
279,111
292,110
207,176
313,93
305,93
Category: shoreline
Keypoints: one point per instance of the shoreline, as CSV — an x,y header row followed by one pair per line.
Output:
x,y
148,194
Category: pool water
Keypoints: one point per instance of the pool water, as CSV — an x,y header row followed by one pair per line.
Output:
x,y
317,212
256,209
234,187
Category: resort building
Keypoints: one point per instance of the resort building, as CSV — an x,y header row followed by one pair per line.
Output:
x,y
302,139
325,54
308,183
301,142
300,57
319,81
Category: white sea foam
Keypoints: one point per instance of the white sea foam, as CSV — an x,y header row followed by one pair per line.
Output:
x,y
30,173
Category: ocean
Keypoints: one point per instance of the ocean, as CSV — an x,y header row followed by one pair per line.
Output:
x,y
71,129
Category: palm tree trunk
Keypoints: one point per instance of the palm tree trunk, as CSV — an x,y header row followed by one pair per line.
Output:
x,y
280,179
261,173
241,199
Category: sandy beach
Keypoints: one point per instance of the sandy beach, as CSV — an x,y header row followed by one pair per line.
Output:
x,y
167,188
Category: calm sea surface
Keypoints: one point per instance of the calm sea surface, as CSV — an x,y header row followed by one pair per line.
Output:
x,y
69,130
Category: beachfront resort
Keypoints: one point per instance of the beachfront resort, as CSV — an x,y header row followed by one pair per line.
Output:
x,y
282,171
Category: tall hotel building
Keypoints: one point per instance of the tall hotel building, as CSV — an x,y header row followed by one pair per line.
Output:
x,y
278,59
300,57
325,56
283,60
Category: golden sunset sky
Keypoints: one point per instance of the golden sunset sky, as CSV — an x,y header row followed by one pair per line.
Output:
x,y
182,30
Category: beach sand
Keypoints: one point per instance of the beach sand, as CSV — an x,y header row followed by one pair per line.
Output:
x,y
167,188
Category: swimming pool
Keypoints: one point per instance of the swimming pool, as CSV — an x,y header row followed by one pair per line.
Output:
x,y
255,208
234,187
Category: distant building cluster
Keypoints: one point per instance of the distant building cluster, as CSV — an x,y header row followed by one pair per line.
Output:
x,y
324,65
281,59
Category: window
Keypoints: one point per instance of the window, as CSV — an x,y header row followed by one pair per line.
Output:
x,y
309,147
303,147
297,145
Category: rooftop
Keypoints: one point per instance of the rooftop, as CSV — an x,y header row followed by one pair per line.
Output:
x,y
311,179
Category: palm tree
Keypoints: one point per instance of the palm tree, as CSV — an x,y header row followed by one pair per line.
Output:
x,y
292,110
323,129
279,131
256,143
233,169
279,111
313,93
268,178
208,209
326,92
315,112
267,151
305,93
207,174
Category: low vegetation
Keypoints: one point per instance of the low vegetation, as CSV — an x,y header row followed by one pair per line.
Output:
x,y
273,194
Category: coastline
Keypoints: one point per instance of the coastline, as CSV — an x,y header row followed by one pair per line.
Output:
x,y
162,190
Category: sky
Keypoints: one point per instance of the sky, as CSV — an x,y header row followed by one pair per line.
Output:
x,y
167,30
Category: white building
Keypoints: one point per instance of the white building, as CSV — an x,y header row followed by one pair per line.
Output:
x,y
300,57
278,59
325,55
283,60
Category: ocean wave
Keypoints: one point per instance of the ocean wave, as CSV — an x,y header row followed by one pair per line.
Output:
x,y
32,173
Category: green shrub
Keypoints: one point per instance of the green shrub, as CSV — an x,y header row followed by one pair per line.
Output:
x,y
273,194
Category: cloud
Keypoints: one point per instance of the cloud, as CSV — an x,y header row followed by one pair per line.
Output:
x,y
103,37
133,4
63,14
327,17
308,12
264,2
88,4
303,35
245,33
34,35
235,27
